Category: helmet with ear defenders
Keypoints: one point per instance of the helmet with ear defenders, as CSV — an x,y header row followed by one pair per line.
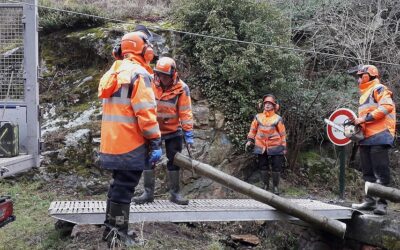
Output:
x,y
367,73
368,69
167,65
135,43
272,99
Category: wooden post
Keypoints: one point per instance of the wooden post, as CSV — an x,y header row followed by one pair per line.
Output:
x,y
333,226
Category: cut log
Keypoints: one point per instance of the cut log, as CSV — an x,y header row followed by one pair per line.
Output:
x,y
388,193
281,204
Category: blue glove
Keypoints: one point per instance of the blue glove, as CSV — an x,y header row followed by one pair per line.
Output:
x,y
189,137
155,155
155,150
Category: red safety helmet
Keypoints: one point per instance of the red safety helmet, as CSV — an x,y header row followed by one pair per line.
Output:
x,y
272,99
368,69
167,65
135,43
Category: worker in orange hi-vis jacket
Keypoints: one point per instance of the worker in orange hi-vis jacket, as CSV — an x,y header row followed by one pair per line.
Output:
x,y
377,117
174,114
130,134
268,137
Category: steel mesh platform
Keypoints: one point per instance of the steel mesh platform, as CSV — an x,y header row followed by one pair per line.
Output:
x,y
93,212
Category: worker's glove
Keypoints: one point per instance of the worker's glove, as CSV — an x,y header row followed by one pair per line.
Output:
x,y
359,120
189,137
155,151
249,146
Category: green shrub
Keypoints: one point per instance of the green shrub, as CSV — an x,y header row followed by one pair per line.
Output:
x,y
234,76
52,20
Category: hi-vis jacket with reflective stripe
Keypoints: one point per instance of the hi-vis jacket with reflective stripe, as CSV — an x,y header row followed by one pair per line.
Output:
x,y
174,109
129,115
268,133
377,106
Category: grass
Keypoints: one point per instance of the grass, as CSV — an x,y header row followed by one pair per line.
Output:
x,y
33,228
291,191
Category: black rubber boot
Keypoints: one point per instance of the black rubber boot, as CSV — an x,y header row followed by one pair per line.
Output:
x,y
176,197
275,182
368,204
381,208
264,176
118,226
107,221
148,183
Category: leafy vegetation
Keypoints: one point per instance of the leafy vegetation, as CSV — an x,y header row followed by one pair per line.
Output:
x,y
51,19
234,76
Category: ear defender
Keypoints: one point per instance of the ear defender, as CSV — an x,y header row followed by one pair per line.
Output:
x,y
117,52
174,74
148,54
277,107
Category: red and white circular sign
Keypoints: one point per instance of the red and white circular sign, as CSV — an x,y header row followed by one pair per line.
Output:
x,y
338,117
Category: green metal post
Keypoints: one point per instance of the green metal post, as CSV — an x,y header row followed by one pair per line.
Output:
x,y
342,175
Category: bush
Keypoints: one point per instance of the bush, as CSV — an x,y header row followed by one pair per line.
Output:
x,y
52,20
234,76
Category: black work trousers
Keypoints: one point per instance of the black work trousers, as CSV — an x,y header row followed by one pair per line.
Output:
x,y
375,164
172,146
276,161
123,186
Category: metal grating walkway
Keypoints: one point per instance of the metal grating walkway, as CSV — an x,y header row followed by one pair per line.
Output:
x,y
93,212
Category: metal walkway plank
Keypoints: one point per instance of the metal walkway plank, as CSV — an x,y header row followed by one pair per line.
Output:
x,y
93,212
16,164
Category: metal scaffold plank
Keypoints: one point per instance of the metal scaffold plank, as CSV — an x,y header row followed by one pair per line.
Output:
x,y
93,212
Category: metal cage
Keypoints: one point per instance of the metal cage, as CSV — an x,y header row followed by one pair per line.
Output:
x,y
19,97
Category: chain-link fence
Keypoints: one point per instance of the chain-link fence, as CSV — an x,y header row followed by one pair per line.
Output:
x,y
11,53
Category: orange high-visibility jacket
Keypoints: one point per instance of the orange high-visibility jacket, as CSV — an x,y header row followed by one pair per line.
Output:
x,y
268,133
129,115
174,109
377,106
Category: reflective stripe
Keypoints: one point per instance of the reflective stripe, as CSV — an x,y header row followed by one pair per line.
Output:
x,y
166,104
125,91
117,100
166,115
368,105
143,105
183,108
187,122
266,127
383,109
274,135
144,74
152,131
386,101
391,116
282,134
119,118
262,135
147,81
